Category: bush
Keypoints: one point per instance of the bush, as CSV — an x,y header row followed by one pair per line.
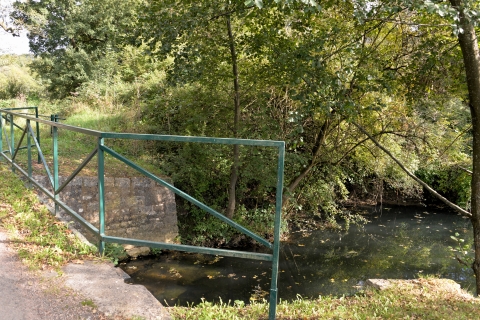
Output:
x,y
16,80
451,181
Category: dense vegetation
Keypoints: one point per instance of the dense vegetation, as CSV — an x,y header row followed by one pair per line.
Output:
x,y
332,81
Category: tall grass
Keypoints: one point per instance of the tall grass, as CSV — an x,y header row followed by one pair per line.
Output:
x,y
426,298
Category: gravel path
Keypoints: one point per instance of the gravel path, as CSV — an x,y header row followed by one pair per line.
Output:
x,y
25,295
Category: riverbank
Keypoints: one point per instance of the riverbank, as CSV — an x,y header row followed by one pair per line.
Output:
x,y
83,290
32,296
61,277
424,298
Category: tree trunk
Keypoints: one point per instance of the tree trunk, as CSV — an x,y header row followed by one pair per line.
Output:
x,y
236,125
316,151
471,58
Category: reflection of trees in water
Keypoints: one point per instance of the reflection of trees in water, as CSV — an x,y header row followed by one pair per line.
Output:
x,y
321,263
403,249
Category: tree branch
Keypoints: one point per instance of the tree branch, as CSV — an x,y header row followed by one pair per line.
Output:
x,y
466,170
411,175
8,29
399,22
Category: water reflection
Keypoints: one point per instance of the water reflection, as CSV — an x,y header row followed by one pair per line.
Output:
x,y
397,243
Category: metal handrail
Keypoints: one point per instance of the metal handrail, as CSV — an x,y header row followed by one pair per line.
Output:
x,y
100,150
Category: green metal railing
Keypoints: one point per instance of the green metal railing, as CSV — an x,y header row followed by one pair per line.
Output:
x,y
7,116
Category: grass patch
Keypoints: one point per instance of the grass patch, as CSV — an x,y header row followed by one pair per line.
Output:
x,y
40,239
74,147
89,303
427,298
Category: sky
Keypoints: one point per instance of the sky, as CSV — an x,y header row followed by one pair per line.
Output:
x,y
8,43
13,45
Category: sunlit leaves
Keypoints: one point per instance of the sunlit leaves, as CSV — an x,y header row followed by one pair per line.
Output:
x,y
71,38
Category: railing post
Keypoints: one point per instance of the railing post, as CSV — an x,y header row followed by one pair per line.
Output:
x,y
39,160
276,232
1,135
101,194
55,165
29,152
12,141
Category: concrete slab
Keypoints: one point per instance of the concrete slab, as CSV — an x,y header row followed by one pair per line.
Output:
x,y
106,286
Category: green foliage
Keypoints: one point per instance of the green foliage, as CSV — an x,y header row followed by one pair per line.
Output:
x,y
70,38
453,182
115,252
89,303
260,221
463,250
64,73
426,297
16,80
305,75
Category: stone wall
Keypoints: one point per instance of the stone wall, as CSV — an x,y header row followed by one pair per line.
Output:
x,y
134,207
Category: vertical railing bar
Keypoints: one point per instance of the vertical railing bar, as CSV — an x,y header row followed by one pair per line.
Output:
x,y
1,133
7,137
29,151
101,194
276,231
12,141
38,134
55,165
45,165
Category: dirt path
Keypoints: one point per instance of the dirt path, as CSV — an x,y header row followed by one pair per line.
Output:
x,y
25,295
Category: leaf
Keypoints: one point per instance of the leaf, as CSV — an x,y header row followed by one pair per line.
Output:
x,y
257,3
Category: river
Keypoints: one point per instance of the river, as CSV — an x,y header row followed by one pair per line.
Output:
x,y
398,242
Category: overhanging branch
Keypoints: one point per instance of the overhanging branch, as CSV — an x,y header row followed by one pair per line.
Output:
x,y
411,175
12,31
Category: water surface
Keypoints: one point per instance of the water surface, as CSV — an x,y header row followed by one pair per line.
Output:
x,y
401,243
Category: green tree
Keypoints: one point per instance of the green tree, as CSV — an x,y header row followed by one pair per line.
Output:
x,y
205,41
308,74
71,37
471,57
5,22
462,16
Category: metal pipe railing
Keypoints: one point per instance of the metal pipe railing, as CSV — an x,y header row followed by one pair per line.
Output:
x,y
8,115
